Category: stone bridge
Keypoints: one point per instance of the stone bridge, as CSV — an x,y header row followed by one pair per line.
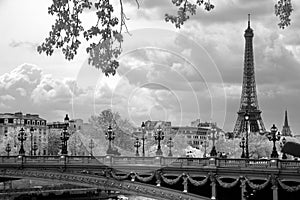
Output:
x,y
165,177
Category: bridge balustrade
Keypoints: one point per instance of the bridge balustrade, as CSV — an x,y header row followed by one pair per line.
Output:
x,y
134,160
289,164
154,161
231,163
9,159
260,163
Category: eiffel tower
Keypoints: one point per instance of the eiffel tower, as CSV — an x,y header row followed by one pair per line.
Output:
x,y
249,101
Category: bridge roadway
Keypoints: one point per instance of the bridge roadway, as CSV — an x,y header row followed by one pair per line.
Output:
x,y
157,177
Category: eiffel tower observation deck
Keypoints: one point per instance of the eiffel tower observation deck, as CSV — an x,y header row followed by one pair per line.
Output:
x,y
249,103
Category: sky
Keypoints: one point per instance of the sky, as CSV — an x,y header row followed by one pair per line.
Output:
x,y
165,73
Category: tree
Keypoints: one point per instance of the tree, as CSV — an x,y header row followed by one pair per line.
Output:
x,y
54,143
259,146
121,127
106,34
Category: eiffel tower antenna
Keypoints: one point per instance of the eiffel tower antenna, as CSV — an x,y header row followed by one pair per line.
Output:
x,y
249,101
248,20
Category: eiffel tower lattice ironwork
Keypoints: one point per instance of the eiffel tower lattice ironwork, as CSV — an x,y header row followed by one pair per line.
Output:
x,y
249,101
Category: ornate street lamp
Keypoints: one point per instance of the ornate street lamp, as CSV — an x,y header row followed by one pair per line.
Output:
x,y
159,135
143,138
110,135
91,146
64,139
282,143
137,145
242,145
8,149
213,137
34,148
246,118
170,144
274,136
31,138
22,136
205,145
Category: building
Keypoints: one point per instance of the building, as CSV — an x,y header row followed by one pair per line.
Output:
x,y
195,135
151,127
286,131
10,125
208,125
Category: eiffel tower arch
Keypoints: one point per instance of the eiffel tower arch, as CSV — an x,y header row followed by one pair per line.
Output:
x,y
249,101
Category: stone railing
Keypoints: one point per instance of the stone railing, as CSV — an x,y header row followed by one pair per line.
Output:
x,y
158,161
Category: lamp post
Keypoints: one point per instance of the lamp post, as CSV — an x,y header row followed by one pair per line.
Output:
x,y
213,137
242,145
143,138
31,138
110,135
22,136
170,144
137,145
8,149
159,135
64,139
91,146
274,136
205,145
246,118
34,148
282,143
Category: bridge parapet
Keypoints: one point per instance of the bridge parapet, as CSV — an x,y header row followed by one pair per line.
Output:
x,y
159,161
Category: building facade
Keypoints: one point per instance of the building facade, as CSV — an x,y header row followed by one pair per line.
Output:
x,y
10,125
151,127
195,135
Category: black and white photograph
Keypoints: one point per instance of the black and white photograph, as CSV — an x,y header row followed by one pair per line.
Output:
x,y
149,100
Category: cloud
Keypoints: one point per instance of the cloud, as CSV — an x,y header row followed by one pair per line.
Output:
x,y
7,98
30,45
4,106
26,88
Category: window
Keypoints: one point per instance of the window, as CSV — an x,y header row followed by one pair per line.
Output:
x,y
22,121
19,121
5,131
42,123
33,122
38,123
15,121
5,121
28,122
